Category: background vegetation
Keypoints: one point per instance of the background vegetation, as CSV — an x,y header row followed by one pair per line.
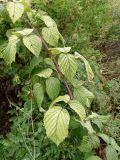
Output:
x,y
92,28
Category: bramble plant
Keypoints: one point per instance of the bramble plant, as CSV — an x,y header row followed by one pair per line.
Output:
x,y
54,84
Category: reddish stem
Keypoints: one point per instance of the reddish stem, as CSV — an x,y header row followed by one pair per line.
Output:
x,y
55,62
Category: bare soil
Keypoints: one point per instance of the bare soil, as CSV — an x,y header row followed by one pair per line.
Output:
x,y
7,92
111,62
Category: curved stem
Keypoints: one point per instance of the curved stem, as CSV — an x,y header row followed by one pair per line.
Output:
x,y
57,67
54,61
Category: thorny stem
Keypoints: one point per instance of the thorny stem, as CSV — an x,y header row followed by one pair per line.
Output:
x,y
54,61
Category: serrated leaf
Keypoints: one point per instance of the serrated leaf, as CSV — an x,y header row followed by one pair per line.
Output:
x,y
33,43
48,21
38,93
23,32
53,87
93,158
100,120
89,142
78,108
87,66
35,61
88,126
95,141
86,145
68,65
51,35
105,137
64,98
27,5
73,123
60,50
76,83
46,73
50,63
56,122
111,153
9,54
83,95
15,10
114,144
2,48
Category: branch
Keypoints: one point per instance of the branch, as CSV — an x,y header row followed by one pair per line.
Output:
x,y
55,62
57,67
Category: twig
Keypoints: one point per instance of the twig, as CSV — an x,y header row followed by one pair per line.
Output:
x,y
33,130
32,123
55,62
57,67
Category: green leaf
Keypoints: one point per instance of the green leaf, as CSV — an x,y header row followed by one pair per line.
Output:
x,y
83,95
78,108
2,48
27,5
48,21
114,144
38,93
9,54
89,142
93,158
60,50
35,61
51,35
87,66
53,87
88,126
56,121
105,137
68,65
50,63
64,98
15,10
46,73
95,141
23,32
33,43
111,153
86,145
109,141
76,83
99,120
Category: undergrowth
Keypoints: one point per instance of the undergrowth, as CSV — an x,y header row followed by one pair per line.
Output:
x,y
89,27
